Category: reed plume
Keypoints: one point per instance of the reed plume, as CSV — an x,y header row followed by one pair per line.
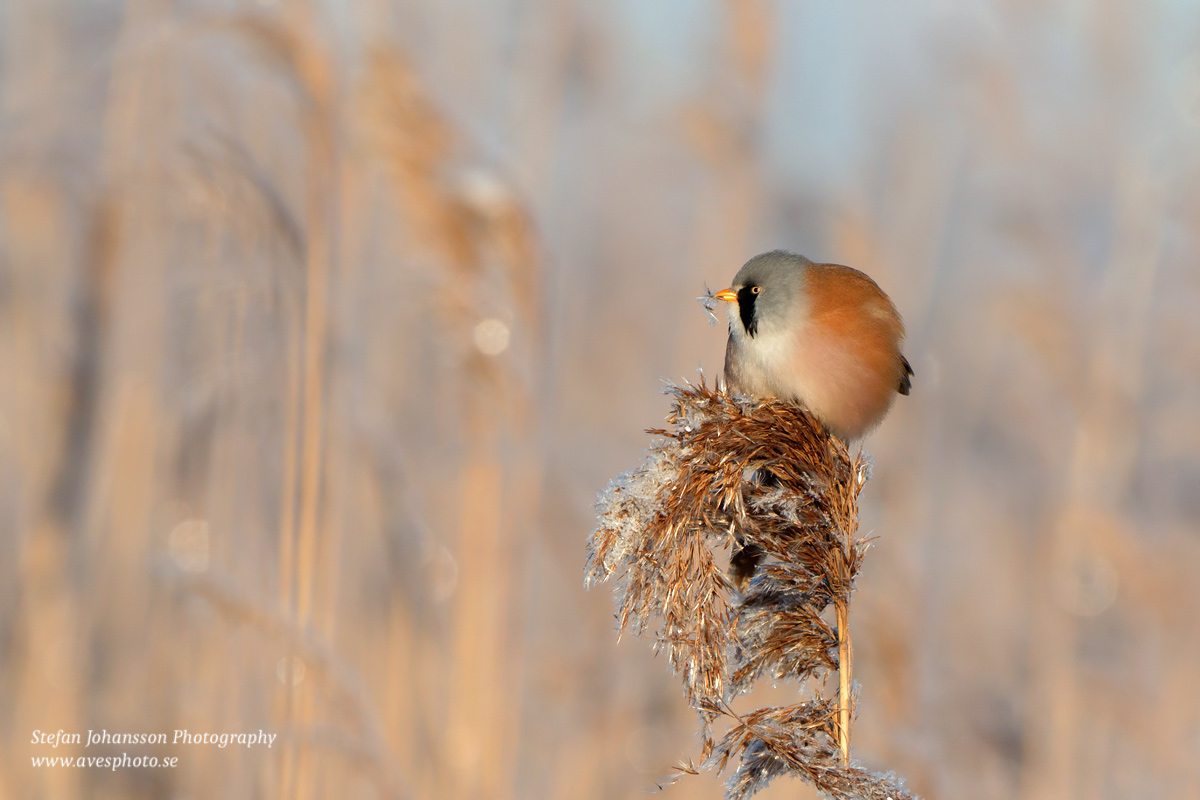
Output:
x,y
764,479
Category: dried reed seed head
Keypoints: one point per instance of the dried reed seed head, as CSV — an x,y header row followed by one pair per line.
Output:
x,y
793,740
763,477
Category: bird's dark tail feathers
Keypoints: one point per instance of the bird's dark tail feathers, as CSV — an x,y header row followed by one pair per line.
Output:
x,y
905,383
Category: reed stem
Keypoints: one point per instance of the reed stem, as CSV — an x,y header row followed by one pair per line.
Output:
x,y
845,677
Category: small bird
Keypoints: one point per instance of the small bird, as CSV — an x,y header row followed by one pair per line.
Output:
x,y
819,334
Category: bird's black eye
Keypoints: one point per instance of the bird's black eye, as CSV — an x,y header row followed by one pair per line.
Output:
x,y
755,289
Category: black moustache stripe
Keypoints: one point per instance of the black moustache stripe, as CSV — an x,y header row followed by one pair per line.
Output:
x,y
746,298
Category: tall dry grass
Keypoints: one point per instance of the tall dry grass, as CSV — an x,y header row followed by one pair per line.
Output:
x,y
242,258
321,324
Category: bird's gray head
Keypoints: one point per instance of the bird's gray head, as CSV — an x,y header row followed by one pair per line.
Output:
x,y
768,291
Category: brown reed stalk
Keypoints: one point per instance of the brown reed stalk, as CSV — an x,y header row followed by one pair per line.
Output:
x,y
767,479
288,45
366,746
845,672
482,238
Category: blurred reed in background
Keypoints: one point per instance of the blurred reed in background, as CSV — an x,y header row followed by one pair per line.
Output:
x,y
321,324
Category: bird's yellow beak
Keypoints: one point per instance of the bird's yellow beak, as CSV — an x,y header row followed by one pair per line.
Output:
x,y
728,295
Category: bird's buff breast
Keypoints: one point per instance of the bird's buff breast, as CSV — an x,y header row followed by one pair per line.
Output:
x,y
751,363
819,371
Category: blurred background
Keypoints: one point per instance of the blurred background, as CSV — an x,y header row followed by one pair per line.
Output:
x,y
322,323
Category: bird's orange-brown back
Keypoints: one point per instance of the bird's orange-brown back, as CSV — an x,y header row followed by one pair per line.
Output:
x,y
847,304
850,348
